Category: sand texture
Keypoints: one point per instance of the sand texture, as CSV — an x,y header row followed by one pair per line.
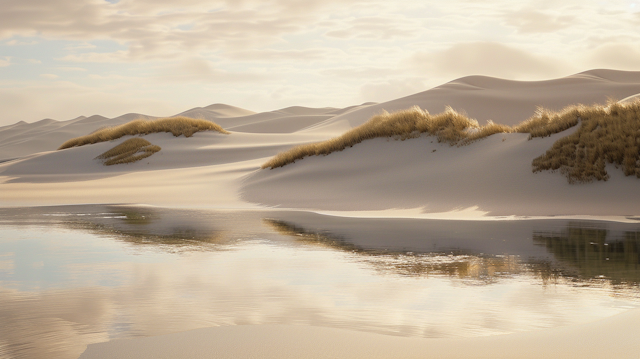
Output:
x,y
382,177
600,339
491,177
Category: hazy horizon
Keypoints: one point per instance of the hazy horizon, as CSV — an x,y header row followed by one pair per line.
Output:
x,y
61,59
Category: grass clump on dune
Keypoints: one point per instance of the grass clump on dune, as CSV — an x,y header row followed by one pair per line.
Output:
x,y
606,135
176,125
448,126
129,151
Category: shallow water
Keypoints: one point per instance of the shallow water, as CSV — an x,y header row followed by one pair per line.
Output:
x,y
76,275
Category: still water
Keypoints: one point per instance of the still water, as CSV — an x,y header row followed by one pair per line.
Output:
x,y
75,275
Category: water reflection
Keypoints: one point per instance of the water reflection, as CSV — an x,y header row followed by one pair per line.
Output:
x,y
485,269
585,249
593,253
72,276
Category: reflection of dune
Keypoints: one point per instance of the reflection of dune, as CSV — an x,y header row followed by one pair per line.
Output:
x,y
52,324
585,248
464,266
146,226
594,255
326,279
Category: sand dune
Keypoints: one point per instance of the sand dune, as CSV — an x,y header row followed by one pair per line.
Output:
x,y
492,176
503,101
381,177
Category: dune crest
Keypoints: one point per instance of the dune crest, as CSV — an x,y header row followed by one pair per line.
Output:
x,y
493,175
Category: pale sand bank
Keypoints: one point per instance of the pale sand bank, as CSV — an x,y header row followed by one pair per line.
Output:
x,y
383,178
613,337
491,178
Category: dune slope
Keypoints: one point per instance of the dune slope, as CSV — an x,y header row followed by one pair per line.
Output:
x,y
209,169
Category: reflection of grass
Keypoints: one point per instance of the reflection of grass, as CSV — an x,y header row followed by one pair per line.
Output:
x,y
313,238
129,151
485,269
140,227
138,216
588,251
175,237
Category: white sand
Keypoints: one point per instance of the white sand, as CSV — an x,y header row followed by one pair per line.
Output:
x,y
613,337
379,177
490,177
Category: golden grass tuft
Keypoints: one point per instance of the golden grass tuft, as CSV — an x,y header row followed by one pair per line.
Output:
x,y
176,125
129,151
448,126
607,134
546,123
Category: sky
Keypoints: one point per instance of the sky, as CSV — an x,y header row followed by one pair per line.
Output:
x,y
64,58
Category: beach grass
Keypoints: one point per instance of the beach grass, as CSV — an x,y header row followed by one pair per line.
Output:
x,y
449,126
607,134
129,151
176,125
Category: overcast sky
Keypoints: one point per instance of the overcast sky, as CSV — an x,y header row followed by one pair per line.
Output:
x,y
64,58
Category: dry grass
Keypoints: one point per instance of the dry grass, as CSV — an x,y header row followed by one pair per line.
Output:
x,y
448,126
607,134
485,131
176,125
546,123
129,151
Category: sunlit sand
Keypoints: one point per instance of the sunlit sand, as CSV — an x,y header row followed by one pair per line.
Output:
x,y
417,177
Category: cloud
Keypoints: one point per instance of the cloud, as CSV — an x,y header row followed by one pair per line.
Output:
x,y
152,28
617,56
71,69
362,73
535,21
377,28
49,76
15,42
201,70
392,89
98,57
5,61
291,55
487,58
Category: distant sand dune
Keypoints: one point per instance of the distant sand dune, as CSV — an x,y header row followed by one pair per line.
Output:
x,y
493,176
608,134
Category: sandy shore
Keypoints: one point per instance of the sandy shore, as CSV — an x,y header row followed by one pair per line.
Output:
x,y
613,337
491,177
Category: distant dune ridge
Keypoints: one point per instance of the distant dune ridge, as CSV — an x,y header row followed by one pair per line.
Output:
x,y
488,171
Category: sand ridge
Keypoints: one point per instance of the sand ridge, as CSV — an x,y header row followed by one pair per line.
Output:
x,y
380,177
493,175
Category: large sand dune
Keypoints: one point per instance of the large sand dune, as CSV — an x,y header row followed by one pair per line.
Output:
x,y
381,177
491,176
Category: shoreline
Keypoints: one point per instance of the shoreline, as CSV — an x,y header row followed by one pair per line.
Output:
x,y
613,337
465,215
